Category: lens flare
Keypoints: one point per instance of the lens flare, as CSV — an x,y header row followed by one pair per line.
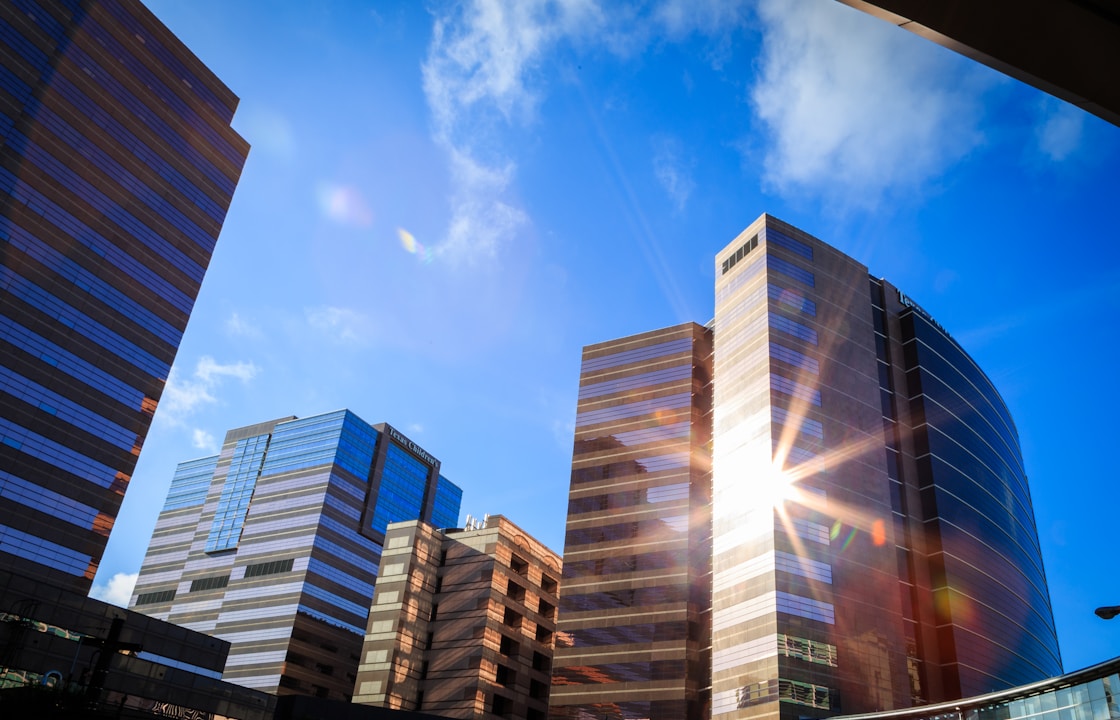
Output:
x,y
344,205
414,246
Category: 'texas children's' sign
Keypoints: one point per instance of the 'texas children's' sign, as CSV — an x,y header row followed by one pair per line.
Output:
x,y
413,447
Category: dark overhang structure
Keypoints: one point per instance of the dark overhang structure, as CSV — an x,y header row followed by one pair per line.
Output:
x,y
1068,48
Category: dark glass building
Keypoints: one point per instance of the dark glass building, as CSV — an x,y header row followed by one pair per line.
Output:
x,y
634,606
273,544
872,539
117,165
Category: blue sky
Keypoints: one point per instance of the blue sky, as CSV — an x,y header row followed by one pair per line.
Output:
x,y
445,201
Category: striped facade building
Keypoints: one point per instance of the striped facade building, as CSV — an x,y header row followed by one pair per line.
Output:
x,y
117,166
634,636
872,540
274,543
463,623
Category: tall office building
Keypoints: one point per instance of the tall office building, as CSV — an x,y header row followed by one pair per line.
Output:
x,y
463,623
117,165
873,542
273,544
634,620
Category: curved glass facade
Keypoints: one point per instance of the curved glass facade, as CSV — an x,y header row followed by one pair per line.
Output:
x,y
990,599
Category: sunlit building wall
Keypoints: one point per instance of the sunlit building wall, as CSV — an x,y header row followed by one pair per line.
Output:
x,y
463,623
117,166
274,543
633,628
873,543
805,605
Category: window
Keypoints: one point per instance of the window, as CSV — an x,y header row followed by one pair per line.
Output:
x,y
548,584
547,609
518,565
508,647
505,676
511,618
210,583
155,597
541,662
501,706
544,635
515,592
270,568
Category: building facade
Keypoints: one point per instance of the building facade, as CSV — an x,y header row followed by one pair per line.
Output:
x,y
117,166
463,623
872,539
273,544
634,633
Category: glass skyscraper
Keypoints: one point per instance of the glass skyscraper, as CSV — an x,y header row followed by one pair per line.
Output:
x,y
872,541
117,166
274,544
634,603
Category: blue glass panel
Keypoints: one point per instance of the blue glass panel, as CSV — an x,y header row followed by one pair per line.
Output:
x,y
449,497
237,492
400,493
191,483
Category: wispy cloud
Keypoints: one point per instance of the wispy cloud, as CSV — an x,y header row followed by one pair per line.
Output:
x,y
183,396
238,326
117,591
203,440
342,325
1060,128
673,169
855,107
477,81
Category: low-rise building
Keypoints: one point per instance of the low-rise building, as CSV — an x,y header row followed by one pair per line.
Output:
x,y
463,621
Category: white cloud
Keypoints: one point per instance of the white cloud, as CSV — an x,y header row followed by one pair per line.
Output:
x,y
1059,130
477,80
182,397
673,169
238,326
118,591
342,325
856,107
204,440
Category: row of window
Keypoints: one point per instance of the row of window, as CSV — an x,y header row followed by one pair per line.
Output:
x,y
648,530
643,672
634,382
637,597
69,316
83,234
44,552
71,364
67,410
56,454
69,269
634,409
106,206
738,255
126,180
48,501
626,357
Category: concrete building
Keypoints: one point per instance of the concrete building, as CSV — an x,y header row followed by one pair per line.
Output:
x,y
873,544
463,622
117,165
635,635
273,544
